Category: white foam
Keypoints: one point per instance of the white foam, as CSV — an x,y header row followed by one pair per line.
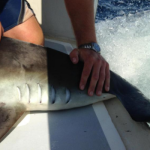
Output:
x,y
125,44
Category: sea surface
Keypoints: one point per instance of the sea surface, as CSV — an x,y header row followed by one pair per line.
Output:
x,y
123,33
109,9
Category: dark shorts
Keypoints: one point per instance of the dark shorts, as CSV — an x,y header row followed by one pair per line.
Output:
x,y
15,12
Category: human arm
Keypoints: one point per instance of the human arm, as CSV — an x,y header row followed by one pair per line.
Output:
x,y
81,13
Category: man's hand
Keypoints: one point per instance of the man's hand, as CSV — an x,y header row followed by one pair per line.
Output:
x,y
81,13
93,63
1,31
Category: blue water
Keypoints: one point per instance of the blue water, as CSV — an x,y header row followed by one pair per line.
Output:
x,y
108,9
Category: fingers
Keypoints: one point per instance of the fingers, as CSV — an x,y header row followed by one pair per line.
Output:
x,y
99,77
95,64
94,78
101,81
85,74
74,56
100,74
107,78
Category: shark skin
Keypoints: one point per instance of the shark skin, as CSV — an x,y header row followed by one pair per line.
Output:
x,y
40,78
45,79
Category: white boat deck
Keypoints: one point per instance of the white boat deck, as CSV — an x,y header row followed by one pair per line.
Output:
x,y
77,129
135,135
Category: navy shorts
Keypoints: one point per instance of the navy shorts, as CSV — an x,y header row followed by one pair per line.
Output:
x,y
15,12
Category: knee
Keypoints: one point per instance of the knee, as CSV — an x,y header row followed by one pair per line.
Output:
x,y
35,37
29,31
33,32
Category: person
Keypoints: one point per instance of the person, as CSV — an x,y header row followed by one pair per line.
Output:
x,y
81,13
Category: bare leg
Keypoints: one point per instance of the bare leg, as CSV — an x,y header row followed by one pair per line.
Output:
x,y
28,31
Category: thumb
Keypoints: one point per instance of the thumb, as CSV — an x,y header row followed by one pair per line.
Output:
x,y
74,56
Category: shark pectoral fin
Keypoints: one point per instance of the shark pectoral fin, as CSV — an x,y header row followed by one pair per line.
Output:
x,y
9,114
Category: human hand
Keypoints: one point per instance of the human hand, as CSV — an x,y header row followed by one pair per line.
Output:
x,y
1,31
95,63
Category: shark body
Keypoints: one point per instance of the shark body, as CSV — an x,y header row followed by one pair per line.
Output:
x,y
40,78
45,79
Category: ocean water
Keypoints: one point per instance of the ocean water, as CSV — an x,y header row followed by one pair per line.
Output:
x,y
109,9
123,33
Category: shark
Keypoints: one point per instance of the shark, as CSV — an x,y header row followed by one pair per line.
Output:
x,y
35,78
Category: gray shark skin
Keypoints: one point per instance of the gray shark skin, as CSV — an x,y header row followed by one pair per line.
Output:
x,y
40,78
45,79
137,105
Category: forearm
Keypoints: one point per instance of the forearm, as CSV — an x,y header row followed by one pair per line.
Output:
x,y
81,13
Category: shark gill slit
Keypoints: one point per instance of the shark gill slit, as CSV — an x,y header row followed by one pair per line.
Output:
x,y
53,95
19,93
68,95
39,93
28,92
